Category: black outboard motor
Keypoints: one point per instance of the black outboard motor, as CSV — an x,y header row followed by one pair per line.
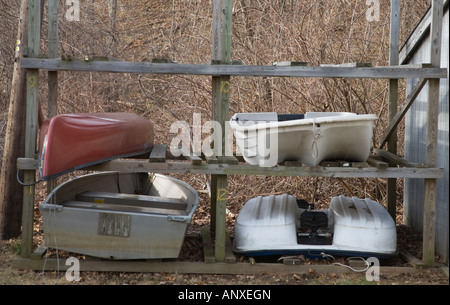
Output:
x,y
311,222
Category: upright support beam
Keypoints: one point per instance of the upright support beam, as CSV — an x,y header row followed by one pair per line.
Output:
x,y
222,24
31,127
52,53
393,100
52,75
429,221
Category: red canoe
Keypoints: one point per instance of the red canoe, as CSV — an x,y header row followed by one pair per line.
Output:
x,y
72,141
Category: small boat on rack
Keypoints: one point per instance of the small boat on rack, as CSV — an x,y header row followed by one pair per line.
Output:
x,y
72,141
119,215
282,225
266,139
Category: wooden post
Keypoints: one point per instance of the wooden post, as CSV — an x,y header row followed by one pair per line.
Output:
x,y
220,95
52,53
429,221
393,100
216,58
52,75
31,126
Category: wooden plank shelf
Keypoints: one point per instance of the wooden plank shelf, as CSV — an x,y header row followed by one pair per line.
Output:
x,y
380,72
166,163
279,170
185,267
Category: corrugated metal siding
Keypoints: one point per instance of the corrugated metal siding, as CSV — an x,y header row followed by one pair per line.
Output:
x,y
415,135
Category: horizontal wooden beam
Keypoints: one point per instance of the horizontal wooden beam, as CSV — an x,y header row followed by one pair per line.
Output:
x,y
382,72
395,159
53,264
246,169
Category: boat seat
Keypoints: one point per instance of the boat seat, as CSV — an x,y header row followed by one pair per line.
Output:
x,y
123,208
146,201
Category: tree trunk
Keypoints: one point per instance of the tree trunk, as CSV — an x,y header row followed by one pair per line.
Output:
x,y
11,194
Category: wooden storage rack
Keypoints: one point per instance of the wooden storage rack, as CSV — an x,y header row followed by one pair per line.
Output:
x,y
385,165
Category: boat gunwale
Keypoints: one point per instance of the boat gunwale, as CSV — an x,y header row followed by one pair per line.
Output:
x,y
260,125
191,207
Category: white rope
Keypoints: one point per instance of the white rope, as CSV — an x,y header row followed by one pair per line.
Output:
x,y
347,266
315,145
324,255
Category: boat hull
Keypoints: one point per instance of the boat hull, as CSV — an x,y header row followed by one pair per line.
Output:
x,y
119,216
72,141
273,225
319,136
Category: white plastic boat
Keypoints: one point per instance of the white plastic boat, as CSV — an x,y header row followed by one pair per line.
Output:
x,y
278,225
266,139
119,216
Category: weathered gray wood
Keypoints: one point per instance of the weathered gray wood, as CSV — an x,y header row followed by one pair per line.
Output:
x,y
191,156
395,159
34,21
246,169
216,31
391,205
158,153
227,24
412,260
52,264
195,160
39,252
394,33
230,160
402,111
212,160
52,75
381,72
377,163
221,224
53,28
27,164
429,223
413,170
52,53
359,164
208,251
220,113
297,163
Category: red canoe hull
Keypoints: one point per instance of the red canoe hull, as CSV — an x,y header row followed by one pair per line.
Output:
x,y
72,141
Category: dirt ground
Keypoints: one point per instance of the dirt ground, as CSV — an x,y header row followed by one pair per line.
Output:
x,y
192,251
9,275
